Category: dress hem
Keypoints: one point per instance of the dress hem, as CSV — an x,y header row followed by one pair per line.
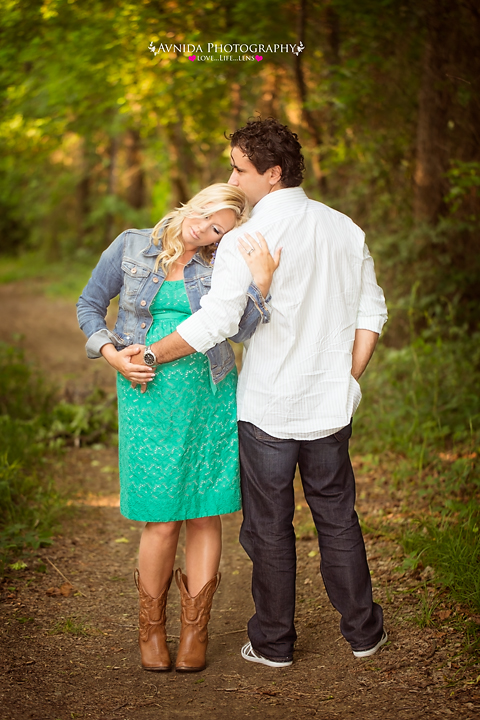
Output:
x,y
180,519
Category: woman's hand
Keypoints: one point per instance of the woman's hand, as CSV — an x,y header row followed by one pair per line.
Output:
x,y
262,264
129,363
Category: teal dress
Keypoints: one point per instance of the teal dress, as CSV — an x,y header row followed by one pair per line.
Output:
x,y
178,444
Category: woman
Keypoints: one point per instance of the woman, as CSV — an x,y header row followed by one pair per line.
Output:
x,y
178,448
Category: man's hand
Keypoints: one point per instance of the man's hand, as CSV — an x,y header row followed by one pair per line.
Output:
x,y
129,363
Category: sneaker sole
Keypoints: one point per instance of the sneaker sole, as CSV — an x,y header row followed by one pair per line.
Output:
x,y
261,660
373,650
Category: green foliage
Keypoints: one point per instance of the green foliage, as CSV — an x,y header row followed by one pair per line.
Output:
x,y
463,194
88,110
24,395
420,418
452,547
94,421
421,398
33,424
65,278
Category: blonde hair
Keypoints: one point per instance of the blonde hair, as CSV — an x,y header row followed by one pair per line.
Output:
x,y
219,196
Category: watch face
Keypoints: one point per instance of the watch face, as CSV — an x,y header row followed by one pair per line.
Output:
x,y
149,358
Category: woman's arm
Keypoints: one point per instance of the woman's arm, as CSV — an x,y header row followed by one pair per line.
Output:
x,y
262,265
105,283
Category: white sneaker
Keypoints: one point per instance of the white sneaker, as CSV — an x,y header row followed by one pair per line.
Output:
x,y
248,653
373,650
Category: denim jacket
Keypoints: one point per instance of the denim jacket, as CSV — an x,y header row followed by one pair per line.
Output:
x,y
127,268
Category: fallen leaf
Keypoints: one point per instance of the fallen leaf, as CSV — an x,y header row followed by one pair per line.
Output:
x,y
66,589
53,591
122,540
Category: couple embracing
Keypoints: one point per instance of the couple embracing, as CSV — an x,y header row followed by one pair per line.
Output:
x,y
193,445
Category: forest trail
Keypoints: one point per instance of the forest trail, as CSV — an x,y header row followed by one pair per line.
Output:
x,y
71,652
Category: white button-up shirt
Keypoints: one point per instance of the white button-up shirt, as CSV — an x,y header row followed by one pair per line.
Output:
x,y
296,378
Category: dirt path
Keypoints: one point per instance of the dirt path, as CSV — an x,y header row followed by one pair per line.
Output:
x,y
76,656
49,334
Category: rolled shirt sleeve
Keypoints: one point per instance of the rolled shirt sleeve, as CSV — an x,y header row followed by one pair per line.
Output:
x,y
223,306
372,310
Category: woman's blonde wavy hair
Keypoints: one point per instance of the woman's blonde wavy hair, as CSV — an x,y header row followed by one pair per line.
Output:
x,y
219,196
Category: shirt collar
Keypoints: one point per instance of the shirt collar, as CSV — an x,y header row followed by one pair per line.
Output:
x,y
279,198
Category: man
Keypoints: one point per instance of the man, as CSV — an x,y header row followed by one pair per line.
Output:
x,y
297,390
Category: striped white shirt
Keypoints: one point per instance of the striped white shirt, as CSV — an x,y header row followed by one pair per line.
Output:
x,y
296,378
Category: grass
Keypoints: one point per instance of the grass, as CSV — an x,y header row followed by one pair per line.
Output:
x,y
428,606
451,545
418,427
34,424
63,278
71,626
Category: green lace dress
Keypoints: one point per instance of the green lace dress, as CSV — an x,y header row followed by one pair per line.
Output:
x,y
178,445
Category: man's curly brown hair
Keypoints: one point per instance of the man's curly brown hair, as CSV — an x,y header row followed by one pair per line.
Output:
x,y
267,143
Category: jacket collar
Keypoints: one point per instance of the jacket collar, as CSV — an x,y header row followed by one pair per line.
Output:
x,y
152,250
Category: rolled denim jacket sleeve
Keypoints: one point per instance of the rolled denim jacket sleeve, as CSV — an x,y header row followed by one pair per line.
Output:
x,y
256,311
105,284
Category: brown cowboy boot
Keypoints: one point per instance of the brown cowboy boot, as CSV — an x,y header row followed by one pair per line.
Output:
x,y
195,616
152,637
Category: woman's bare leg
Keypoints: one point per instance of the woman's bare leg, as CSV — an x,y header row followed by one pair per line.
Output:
x,y
156,556
203,551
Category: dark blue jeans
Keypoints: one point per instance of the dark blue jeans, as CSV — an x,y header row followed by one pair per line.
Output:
x,y
268,467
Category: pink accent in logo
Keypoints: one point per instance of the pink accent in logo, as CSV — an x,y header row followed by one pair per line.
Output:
x,y
258,58
192,57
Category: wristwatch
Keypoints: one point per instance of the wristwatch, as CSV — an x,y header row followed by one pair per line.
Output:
x,y
149,357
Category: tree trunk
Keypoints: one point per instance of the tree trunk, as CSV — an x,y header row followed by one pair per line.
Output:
x,y
432,158
436,107
84,188
448,112
181,163
308,117
135,176
109,235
